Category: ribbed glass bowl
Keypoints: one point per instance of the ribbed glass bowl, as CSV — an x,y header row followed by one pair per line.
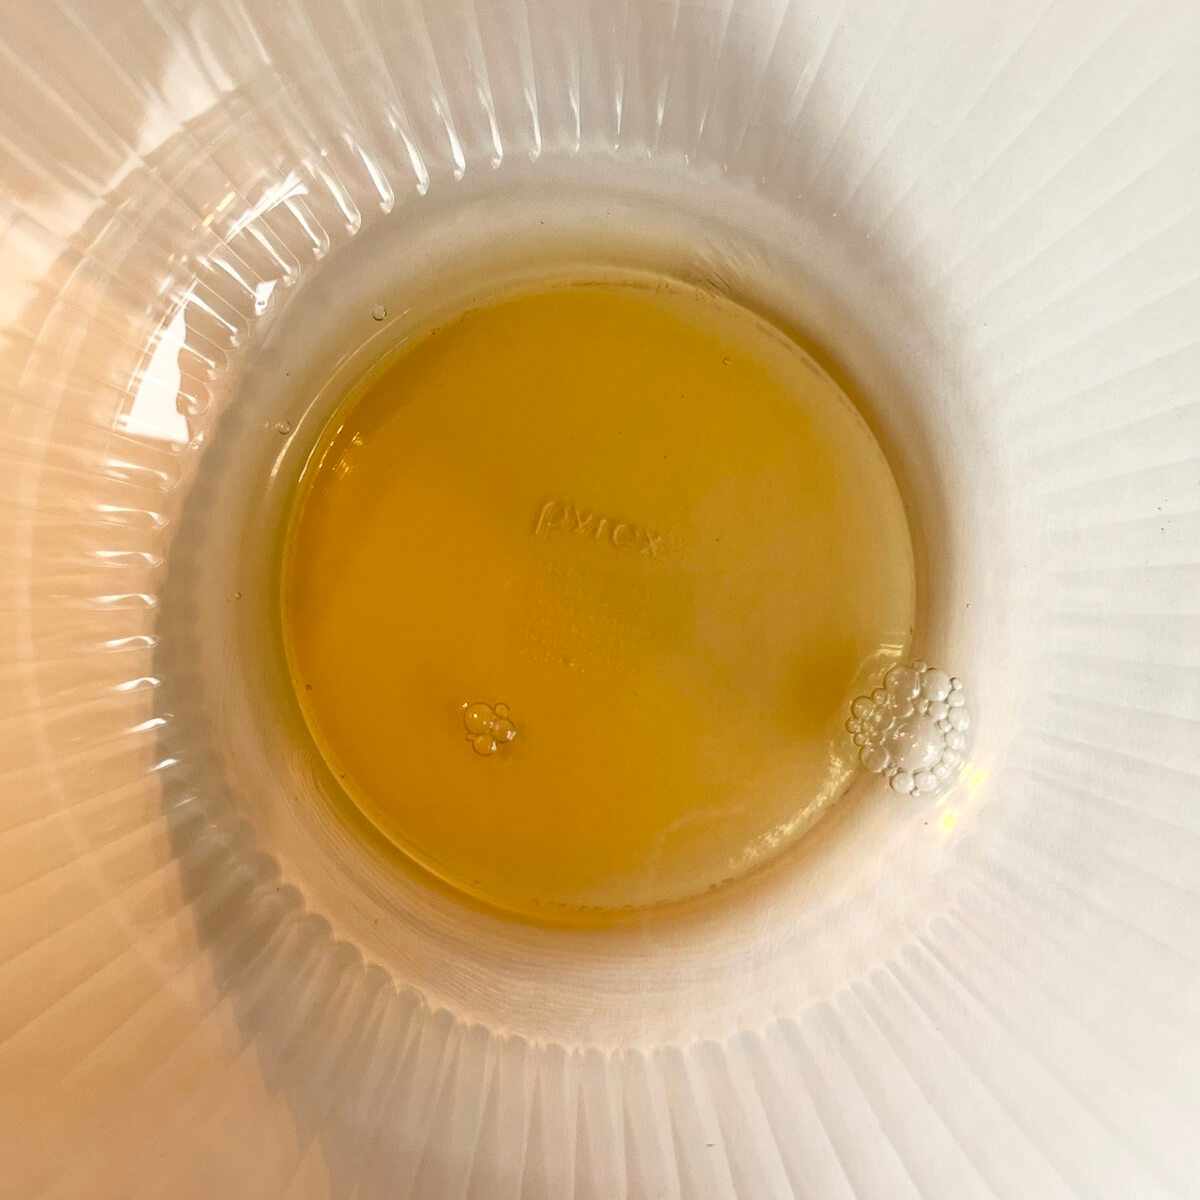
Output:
x,y
985,214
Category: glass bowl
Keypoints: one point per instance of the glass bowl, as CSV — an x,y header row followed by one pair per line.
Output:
x,y
985,215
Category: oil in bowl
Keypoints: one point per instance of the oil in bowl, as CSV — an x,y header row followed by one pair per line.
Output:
x,y
578,586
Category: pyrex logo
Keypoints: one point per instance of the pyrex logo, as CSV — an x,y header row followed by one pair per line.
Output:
x,y
565,519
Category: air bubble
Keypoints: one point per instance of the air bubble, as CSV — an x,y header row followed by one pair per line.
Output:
x,y
902,682
378,312
874,758
478,719
488,726
911,730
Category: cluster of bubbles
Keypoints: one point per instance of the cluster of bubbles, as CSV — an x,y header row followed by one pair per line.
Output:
x,y
913,729
488,727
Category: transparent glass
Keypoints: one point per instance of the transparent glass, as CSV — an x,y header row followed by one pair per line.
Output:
x,y
984,216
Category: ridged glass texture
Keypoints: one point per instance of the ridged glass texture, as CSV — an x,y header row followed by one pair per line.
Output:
x,y
203,993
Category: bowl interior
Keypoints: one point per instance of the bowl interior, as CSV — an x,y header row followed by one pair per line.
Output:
x,y
986,221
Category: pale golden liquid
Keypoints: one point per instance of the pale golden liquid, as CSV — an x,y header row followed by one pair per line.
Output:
x,y
652,527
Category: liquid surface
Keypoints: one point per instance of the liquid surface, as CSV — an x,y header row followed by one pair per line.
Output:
x,y
579,586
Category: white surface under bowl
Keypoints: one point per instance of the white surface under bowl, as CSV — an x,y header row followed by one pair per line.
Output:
x,y
985,215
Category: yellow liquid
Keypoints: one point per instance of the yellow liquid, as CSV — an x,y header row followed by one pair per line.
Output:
x,y
648,527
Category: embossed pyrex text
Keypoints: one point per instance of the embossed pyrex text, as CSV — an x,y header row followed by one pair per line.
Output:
x,y
558,516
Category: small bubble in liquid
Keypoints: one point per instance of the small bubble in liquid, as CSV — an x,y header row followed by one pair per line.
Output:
x,y
488,726
874,758
902,682
936,685
283,427
378,312
478,718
